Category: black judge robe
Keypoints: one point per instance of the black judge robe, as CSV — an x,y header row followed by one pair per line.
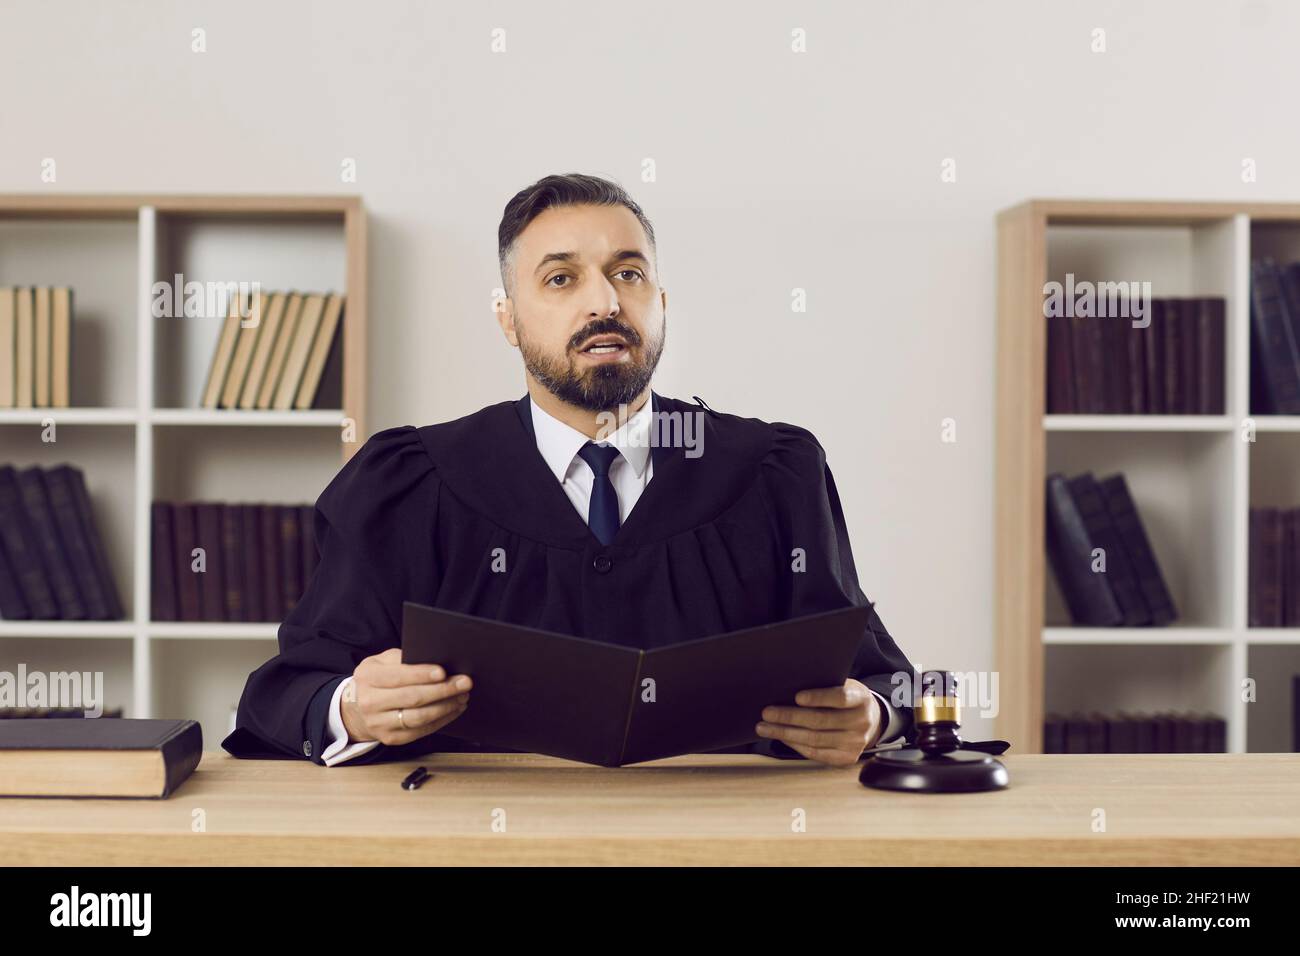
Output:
x,y
418,513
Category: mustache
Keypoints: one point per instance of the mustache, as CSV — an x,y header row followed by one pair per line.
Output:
x,y
605,327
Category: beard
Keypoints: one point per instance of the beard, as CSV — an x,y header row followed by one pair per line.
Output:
x,y
602,387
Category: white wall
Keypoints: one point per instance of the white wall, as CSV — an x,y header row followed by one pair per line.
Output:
x,y
775,171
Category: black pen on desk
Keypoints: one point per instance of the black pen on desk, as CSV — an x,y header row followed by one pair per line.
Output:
x,y
415,778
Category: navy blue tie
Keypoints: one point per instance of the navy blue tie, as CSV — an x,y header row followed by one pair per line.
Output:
x,y
602,516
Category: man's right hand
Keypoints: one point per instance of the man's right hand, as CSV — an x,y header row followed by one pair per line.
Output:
x,y
382,685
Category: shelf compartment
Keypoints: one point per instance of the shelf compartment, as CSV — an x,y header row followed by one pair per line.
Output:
x,y
1181,483
97,259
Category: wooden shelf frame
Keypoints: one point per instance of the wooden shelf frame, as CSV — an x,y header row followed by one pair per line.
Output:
x,y
143,420
1023,430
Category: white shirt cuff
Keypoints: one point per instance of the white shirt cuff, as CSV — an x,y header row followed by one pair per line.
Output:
x,y
894,722
337,748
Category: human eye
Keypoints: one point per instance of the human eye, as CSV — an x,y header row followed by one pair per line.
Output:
x,y
633,271
558,275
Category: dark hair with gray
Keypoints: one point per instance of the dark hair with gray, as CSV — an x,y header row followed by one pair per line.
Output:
x,y
573,189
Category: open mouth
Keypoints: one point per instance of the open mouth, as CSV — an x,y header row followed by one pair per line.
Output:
x,y
605,345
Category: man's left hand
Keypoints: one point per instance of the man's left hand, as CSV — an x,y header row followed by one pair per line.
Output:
x,y
832,725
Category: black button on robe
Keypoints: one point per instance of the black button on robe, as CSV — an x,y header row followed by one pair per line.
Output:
x,y
425,514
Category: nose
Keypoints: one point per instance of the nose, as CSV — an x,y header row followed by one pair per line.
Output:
x,y
602,299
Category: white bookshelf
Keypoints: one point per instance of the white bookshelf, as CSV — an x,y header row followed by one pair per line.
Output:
x,y
1193,477
136,430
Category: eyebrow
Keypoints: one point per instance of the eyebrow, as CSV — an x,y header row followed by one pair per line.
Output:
x,y
572,256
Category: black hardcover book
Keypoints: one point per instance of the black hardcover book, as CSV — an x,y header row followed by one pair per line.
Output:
x,y
98,555
636,705
1127,522
80,757
54,556
1103,534
1276,347
22,549
13,606
1087,593
76,541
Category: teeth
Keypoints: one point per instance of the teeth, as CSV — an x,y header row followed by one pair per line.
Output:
x,y
603,348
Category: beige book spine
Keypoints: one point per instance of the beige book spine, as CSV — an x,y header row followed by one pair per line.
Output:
x,y
320,350
308,323
262,354
244,346
281,350
61,348
42,373
8,348
221,356
23,336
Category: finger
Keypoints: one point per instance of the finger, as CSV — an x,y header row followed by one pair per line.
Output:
x,y
837,758
416,717
831,740
849,694
382,674
816,718
378,699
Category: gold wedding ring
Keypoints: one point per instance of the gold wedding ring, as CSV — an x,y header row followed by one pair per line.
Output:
x,y
400,720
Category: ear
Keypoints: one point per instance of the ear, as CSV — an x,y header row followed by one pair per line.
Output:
x,y
663,300
505,311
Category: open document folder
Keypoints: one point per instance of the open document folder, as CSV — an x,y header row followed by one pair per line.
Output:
x,y
548,693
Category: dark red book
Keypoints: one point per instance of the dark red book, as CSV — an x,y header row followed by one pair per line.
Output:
x,y
254,584
188,591
162,564
232,553
207,518
290,556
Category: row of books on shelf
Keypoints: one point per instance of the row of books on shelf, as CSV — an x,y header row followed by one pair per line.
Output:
x,y
1273,587
1134,733
1101,556
1275,337
1172,362
273,351
35,347
255,562
52,560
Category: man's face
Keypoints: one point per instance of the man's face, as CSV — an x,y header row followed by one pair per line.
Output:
x,y
586,312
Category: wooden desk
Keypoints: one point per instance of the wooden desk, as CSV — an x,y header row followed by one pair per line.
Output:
x,y
1173,809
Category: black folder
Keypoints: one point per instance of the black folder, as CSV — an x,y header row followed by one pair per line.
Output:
x,y
605,704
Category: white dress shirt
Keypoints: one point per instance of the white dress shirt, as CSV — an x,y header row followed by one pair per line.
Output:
x,y
559,445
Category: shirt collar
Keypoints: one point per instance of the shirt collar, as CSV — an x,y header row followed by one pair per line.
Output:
x,y
560,443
